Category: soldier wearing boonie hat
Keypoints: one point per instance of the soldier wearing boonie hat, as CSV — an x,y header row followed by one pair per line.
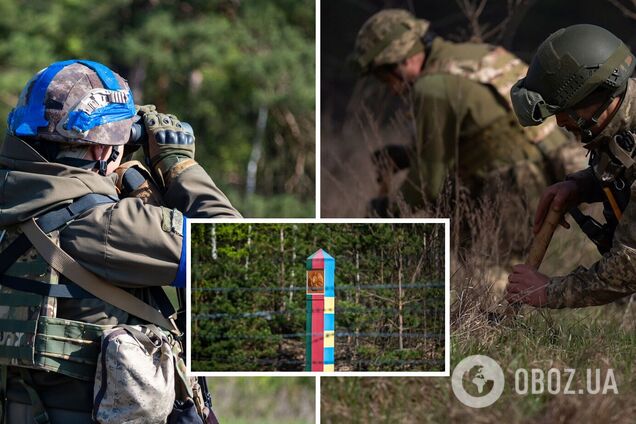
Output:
x,y
464,120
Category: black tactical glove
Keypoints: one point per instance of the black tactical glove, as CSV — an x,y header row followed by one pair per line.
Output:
x,y
168,143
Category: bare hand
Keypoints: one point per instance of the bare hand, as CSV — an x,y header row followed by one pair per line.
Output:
x,y
560,197
527,285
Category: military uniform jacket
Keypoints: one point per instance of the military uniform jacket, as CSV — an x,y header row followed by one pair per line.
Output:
x,y
464,124
614,275
129,243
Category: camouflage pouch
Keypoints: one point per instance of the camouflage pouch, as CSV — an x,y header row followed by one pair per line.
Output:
x,y
135,378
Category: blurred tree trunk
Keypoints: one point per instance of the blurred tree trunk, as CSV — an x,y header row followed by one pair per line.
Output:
x,y
282,263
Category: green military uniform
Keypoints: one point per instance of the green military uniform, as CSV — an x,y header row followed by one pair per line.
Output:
x,y
127,241
465,125
614,276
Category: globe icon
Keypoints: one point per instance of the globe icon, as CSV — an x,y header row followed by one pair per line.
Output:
x,y
482,376
478,378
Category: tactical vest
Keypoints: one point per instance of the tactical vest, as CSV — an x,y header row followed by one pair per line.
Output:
x,y
31,334
505,142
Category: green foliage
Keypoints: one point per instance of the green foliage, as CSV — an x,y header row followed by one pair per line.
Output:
x,y
240,328
265,400
212,63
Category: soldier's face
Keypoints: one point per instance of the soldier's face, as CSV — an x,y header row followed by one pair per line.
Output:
x,y
403,74
566,121
410,68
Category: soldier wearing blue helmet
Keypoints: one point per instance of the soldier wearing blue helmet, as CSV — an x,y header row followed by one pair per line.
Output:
x,y
87,243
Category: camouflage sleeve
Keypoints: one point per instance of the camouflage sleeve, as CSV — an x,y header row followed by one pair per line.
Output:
x,y
193,192
128,243
612,277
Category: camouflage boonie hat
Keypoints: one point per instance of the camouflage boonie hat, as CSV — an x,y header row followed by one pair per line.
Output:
x,y
84,102
388,37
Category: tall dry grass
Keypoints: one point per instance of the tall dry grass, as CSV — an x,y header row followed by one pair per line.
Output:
x,y
488,236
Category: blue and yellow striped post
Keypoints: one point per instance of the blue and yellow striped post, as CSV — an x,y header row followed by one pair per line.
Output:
x,y
320,303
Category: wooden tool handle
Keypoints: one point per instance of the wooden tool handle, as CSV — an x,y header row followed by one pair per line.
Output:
x,y
542,239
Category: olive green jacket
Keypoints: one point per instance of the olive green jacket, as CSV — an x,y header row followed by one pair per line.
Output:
x,y
465,128
614,275
129,243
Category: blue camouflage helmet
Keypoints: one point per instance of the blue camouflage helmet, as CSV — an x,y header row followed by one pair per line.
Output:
x,y
75,101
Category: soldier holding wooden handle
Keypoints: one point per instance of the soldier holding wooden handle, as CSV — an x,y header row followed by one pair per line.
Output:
x,y
581,75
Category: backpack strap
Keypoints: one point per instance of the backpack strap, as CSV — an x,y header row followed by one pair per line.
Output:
x,y
92,283
48,222
53,220
67,291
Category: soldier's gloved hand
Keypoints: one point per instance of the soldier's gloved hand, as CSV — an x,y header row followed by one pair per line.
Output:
x,y
168,143
143,109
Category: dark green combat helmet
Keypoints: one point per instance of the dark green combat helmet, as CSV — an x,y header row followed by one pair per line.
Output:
x,y
569,65
388,37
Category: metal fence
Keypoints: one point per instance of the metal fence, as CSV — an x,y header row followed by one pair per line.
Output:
x,y
433,310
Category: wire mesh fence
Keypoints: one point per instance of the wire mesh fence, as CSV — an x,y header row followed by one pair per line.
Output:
x,y
420,349
251,288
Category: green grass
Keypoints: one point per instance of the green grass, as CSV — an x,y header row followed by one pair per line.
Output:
x,y
600,337
580,339
284,400
272,206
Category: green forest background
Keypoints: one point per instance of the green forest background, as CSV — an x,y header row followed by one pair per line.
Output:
x,y
248,283
217,64
264,400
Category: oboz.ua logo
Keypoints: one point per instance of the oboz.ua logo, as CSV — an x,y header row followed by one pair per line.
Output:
x,y
477,381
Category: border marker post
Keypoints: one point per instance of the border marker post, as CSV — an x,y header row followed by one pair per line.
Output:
x,y
320,306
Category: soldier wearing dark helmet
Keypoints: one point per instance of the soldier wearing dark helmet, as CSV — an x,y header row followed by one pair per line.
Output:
x,y
465,126
86,244
581,74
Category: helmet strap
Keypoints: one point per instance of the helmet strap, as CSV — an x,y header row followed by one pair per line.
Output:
x,y
100,165
586,125
427,41
103,164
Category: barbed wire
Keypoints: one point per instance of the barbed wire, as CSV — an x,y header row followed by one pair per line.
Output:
x,y
304,335
339,361
344,310
337,288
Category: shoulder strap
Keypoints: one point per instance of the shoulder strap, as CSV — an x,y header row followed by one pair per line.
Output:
x,y
90,282
58,218
51,221
48,222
